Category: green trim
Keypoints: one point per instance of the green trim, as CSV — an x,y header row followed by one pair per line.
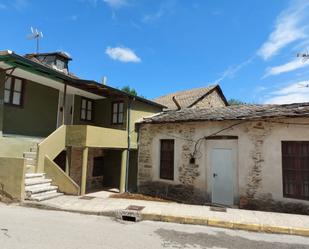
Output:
x,y
34,67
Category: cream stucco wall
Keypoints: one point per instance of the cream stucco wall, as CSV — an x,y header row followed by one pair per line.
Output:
x,y
258,159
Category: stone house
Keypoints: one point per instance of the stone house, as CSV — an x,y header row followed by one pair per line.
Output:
x,y
254,156
210,96
62,134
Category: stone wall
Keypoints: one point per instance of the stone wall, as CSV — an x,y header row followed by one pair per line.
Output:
x,y
183,187
76,167
211,100
258,175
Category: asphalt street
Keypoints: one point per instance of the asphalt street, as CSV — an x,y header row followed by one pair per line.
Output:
x,y
27,228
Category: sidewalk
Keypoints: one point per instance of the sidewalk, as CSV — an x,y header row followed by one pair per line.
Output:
x,y
181,213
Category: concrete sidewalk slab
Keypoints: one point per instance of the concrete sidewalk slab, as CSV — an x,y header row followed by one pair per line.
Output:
x,y
258,221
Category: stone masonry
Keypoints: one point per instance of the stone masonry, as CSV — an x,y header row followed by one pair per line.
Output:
x,y
253,186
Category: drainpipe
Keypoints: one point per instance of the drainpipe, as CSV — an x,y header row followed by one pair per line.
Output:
x,y
129,144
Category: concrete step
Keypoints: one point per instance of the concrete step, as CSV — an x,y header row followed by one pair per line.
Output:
x,y
41,185
30,169
45,197
36,181
30,161
29,155
34,175
35,189
42,194
34,149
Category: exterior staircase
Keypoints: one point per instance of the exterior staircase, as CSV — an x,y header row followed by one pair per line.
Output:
x,y
39,188
31,159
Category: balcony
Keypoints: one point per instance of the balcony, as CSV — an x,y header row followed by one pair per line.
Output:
x,y
93,136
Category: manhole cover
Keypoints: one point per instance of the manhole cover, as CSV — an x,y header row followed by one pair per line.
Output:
x,y
135,208
86,197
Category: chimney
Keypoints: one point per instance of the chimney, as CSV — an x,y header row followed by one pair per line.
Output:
x,y
56,60
104,80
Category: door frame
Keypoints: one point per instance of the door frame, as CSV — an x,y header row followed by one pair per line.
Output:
x,y
231,144
60,99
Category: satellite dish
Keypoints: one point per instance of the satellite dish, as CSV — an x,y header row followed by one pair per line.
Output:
x,y
37,35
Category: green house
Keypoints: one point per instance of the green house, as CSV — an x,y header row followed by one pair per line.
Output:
x,y
63,134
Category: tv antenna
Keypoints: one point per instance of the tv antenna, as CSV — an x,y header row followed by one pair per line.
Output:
x,y
304,56
36,34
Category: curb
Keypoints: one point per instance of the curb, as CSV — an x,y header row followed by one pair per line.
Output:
x,y
204,221
227,224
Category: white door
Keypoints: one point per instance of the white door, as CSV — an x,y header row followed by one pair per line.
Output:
x,y
222,176
68,111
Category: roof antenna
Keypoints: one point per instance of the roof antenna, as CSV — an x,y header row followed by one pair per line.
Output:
x,y
36,34
305,58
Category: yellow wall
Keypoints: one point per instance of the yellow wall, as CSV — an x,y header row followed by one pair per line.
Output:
x,y
12,173
16,146
60,178
140,110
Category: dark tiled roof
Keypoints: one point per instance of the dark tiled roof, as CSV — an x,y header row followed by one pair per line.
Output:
x,y
235,112
59,53
35,66
184,98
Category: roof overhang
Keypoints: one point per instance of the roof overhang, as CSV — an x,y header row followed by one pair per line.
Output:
x,y
28,67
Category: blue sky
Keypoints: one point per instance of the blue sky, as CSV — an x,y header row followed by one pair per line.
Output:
x,y
162,46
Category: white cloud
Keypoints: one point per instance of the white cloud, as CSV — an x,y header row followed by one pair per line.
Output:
x,y
153,17
167,7
289,27
293,93
115,3
287,67
122,54
232,70
20,4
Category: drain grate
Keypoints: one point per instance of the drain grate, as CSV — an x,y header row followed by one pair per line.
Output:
x,y
86,197
217,209
135,208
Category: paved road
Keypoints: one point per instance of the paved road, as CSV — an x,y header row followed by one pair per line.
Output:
x,y
27,228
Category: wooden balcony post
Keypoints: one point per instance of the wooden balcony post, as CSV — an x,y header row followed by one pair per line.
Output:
x,y
63,102
2,82
84,171
123,172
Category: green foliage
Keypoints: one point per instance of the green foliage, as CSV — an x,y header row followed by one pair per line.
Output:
x,y
236,102
129,90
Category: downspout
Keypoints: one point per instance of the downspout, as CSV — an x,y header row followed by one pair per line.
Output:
x,y
129,144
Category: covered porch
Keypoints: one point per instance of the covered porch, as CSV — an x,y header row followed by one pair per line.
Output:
x,y
91,157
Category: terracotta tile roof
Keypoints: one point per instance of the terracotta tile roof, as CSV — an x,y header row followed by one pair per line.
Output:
x,y
184,98
235,112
